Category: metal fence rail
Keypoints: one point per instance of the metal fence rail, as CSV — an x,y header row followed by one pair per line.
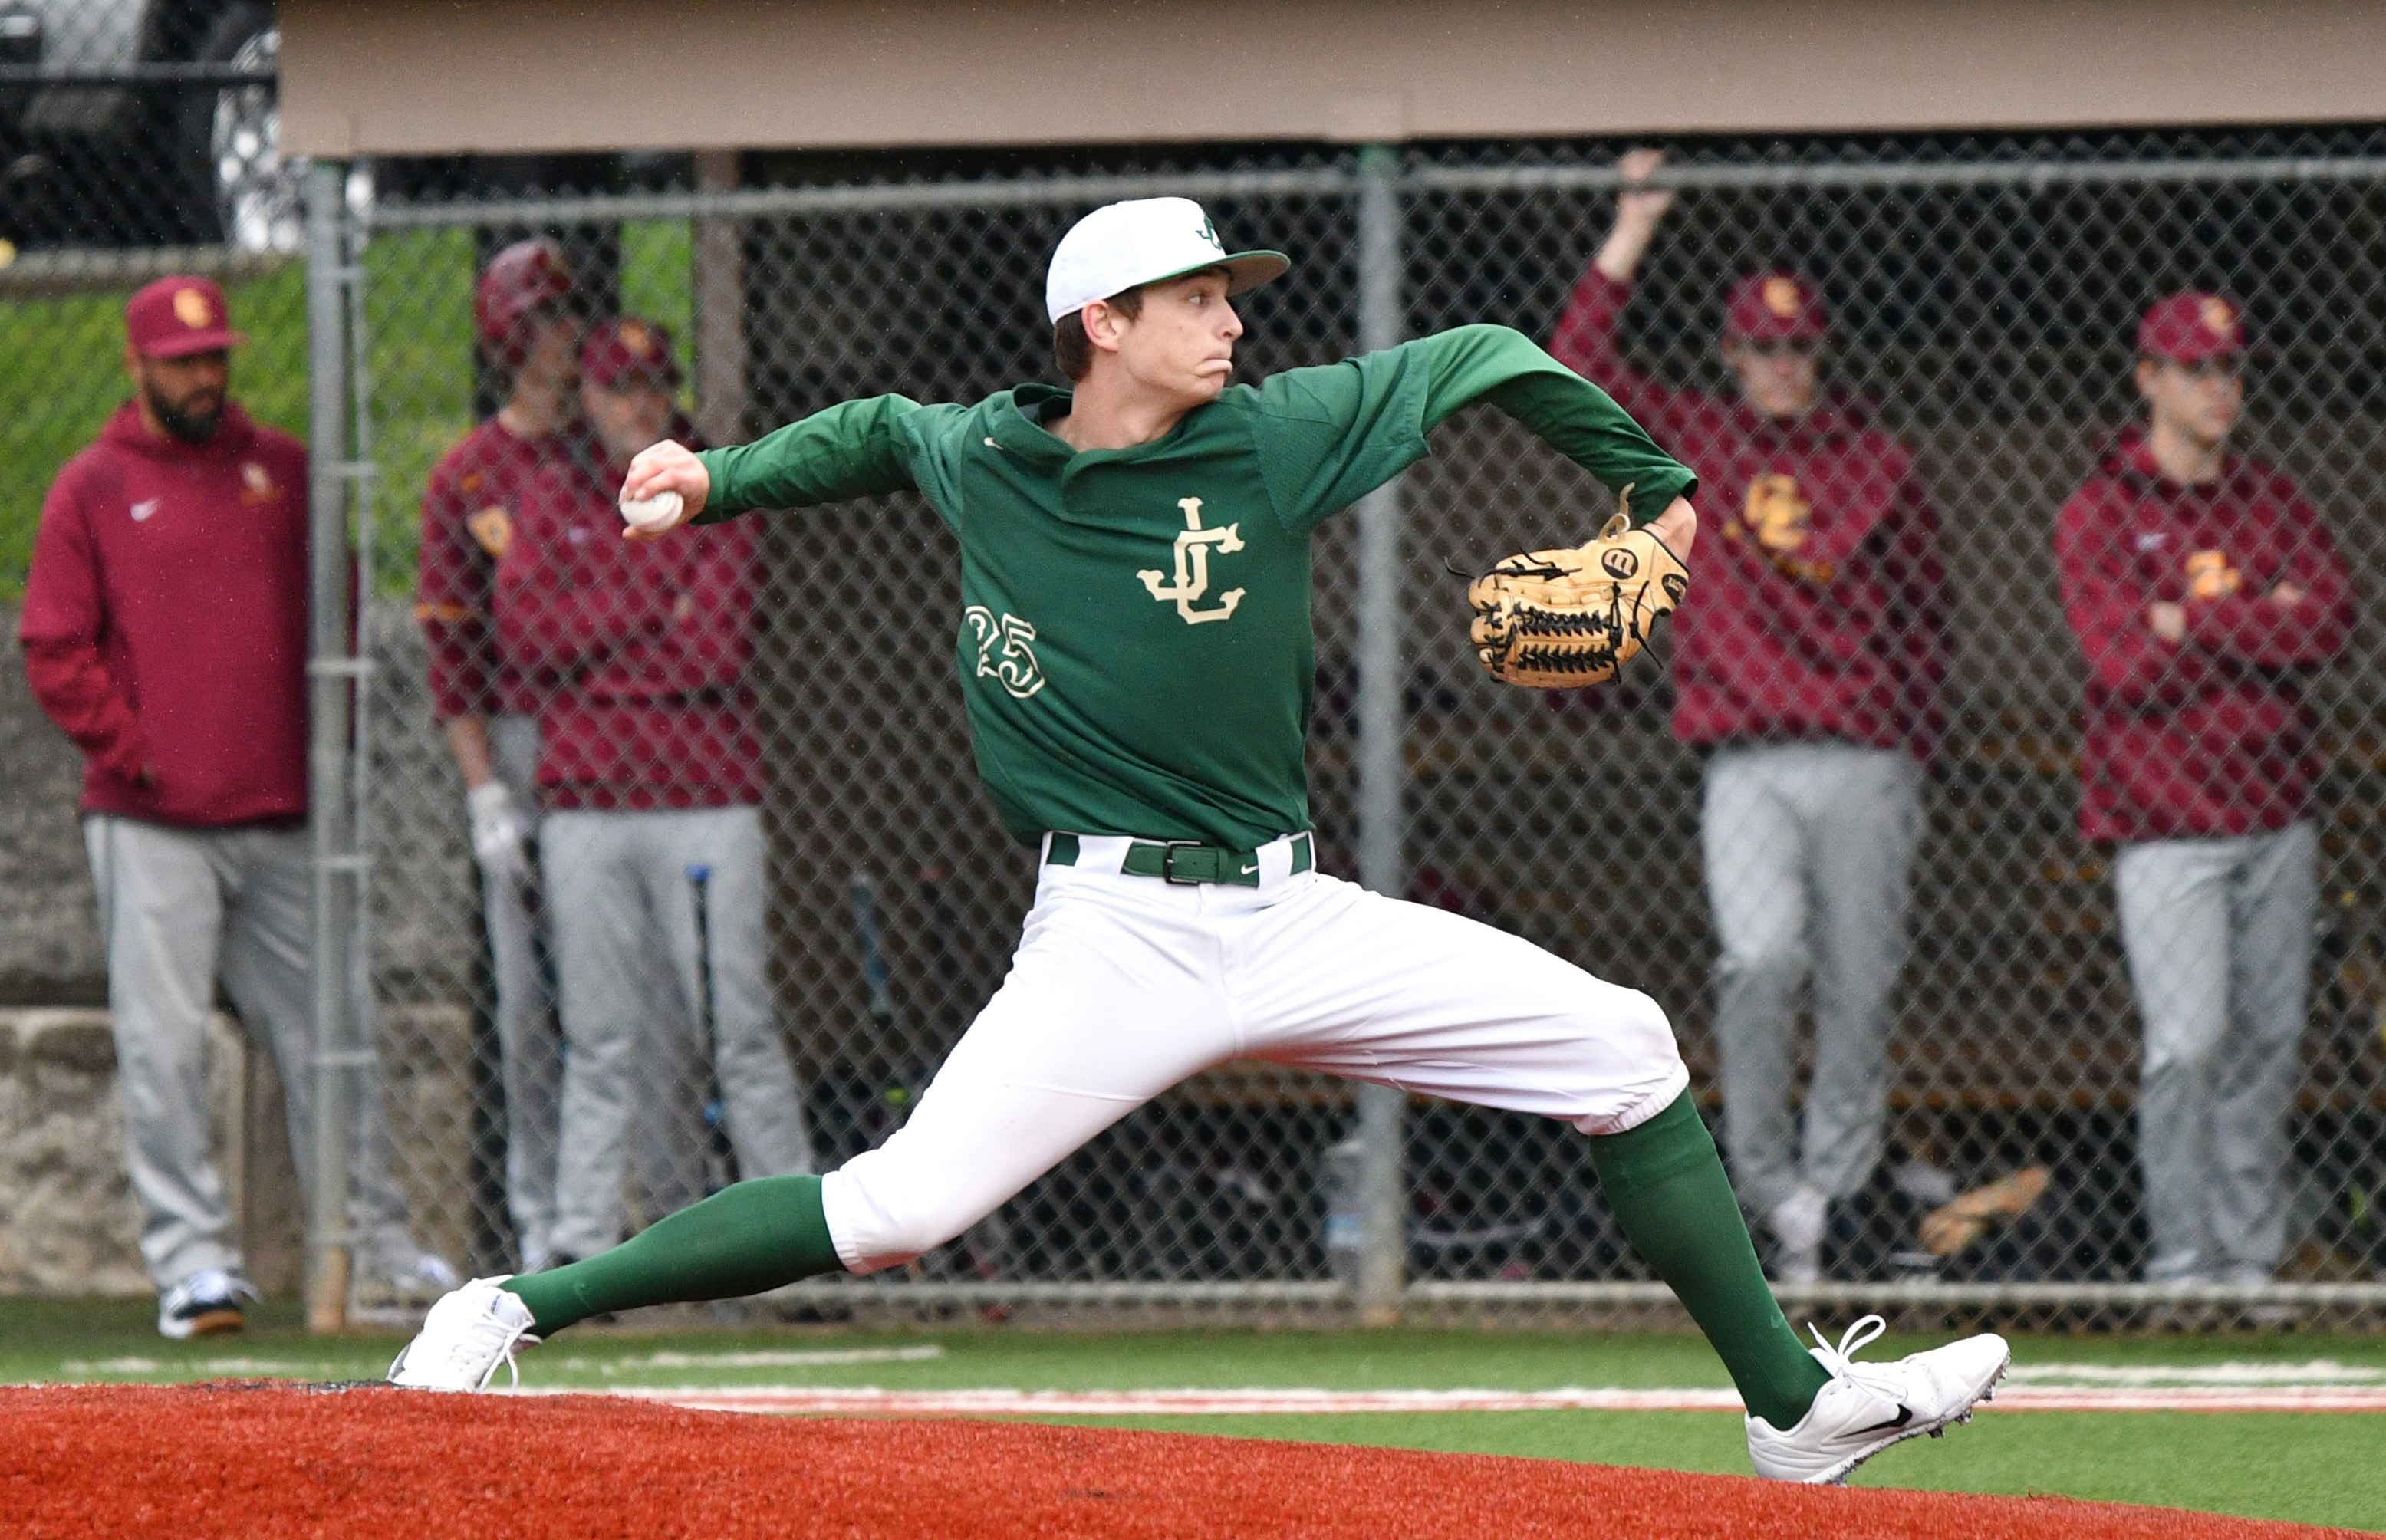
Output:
x,y
1985,297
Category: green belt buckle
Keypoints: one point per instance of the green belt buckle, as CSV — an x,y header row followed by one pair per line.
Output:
x,y
1168,849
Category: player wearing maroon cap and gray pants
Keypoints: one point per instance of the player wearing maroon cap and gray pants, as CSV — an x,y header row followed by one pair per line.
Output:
x,y
523,311
1807,659
2204,591
651,766
165,632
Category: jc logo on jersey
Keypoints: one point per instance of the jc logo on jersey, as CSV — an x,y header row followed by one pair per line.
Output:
x,y
1193,546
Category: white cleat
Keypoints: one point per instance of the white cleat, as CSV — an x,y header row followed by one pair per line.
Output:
x,y
1867,1407
204,1304
467,1335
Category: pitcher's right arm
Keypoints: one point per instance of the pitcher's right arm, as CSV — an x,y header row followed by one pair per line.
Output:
x,y
853,449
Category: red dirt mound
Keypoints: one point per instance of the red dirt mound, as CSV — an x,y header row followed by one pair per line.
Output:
x,y
280,1459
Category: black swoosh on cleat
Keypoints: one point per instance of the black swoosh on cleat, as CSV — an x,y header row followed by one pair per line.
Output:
x,y
1905,1415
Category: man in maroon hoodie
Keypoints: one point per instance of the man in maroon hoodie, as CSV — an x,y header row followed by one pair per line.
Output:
x,y
652,769
525,311
1807,659
165,632
2204,591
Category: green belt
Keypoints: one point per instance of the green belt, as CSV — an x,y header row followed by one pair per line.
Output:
x,y
1186,860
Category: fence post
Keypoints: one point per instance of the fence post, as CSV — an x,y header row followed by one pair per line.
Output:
x,y
331,670
1382,765
718,252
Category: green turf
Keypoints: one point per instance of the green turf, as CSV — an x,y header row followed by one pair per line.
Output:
x,y
2315,1468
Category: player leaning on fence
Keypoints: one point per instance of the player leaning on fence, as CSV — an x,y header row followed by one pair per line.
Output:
x,y
1136,654
1807,661
525,314
2204,591
165,632
651,767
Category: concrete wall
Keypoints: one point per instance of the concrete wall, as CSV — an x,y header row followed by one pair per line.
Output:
x,y
68,1224
50,951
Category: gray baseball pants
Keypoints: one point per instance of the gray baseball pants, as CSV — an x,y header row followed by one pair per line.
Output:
x,y
530,1047
620,892
2220,939
181,908
1809,848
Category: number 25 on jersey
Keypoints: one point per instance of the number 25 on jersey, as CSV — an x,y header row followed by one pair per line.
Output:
x,y
1013,665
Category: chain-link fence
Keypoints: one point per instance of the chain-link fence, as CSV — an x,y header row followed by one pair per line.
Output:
x,y
1874,700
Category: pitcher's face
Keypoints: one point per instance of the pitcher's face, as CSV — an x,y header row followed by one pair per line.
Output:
x,y
1182,346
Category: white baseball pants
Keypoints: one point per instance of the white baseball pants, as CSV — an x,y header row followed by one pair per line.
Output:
x,y
1125,985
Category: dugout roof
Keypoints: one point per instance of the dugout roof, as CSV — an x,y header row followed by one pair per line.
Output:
x,y
413,77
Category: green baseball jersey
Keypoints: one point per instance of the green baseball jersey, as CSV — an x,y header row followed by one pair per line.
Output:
x,y
1135,646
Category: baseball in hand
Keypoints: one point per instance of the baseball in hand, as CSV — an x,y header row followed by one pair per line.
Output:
x,y
658,512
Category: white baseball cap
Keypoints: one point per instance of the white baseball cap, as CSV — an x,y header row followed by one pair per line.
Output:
x,y
1146,241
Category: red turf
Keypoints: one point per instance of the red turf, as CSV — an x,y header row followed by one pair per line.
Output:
x,y
276,1460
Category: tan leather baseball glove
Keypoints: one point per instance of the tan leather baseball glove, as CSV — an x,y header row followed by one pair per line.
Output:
x,y
1555,619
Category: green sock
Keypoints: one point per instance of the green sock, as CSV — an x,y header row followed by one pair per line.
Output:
x,y
742,1240
1666,1184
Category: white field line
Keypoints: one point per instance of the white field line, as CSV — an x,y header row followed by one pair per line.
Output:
x,y
762,1358
312,1367
2315,1371
872,1401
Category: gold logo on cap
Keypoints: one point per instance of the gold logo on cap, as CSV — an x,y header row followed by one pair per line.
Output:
x,y
637,339
190,308
2220,316
1781,296
2209,575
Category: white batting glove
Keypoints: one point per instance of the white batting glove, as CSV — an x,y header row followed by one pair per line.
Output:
x,y
500,833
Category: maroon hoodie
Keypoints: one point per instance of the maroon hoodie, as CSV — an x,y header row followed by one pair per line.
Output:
x,y
1816,607
165,625
2209,736
648,645
469,511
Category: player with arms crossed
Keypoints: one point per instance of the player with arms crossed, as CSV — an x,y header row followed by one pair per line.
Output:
x,y
1136,654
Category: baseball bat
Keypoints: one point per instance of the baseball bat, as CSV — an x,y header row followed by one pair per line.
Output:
x,y
874,956
721,1162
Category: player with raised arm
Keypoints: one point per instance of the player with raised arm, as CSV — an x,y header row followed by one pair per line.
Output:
x,y
1136,654
1807,670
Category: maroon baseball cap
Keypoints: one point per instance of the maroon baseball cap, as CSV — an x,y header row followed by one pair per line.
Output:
x,y
1776,306
627,352
177,317
2191,327
521,281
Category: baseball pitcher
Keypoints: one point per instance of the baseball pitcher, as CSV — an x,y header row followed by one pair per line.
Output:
x,y
1137,653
